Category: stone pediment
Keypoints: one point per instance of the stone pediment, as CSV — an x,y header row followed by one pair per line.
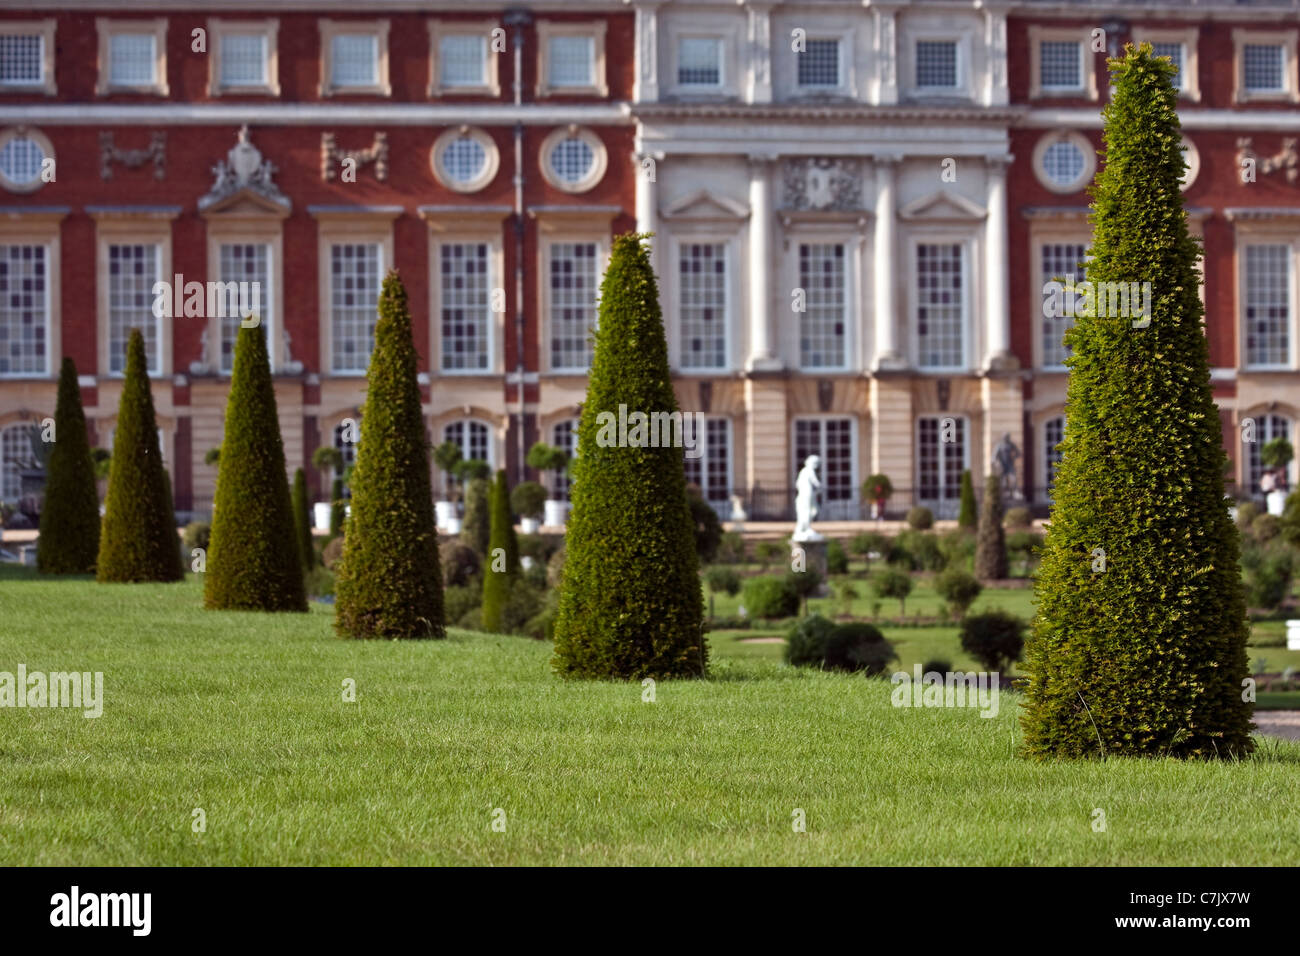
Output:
x,y
942,206
704,205
246,180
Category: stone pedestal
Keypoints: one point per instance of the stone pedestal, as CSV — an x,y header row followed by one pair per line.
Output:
x,y
813,558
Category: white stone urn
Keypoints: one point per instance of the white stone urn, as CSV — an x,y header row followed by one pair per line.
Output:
x,y
528,525
447,519
1276,502
321,515
1293,635
556,513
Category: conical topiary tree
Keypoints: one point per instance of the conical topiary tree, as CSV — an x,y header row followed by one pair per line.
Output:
x,y
499,564
968,516
389,582
630,603
69,539
1139,644
476,529
253,557
990,538
302,521
137,538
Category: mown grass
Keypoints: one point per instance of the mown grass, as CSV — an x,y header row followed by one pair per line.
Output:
x,y
242,715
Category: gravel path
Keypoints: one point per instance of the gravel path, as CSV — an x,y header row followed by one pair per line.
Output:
x,y
1279,723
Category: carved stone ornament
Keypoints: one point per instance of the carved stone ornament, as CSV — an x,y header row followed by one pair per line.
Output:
x,y
133,158
822,184
332,158
1284,159
244,169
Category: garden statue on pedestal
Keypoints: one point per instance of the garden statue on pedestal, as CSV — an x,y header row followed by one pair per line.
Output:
x,y
805,500
1004,458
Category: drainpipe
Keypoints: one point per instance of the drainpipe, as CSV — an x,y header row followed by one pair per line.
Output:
x,y
519,19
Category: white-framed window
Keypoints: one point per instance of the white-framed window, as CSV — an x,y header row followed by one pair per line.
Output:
x,y
823,276
1267,428
465,310
942,454
244,56
247,262
27,56
573,283
133,270
1057,262
938,65
711,471
571,58
1064,161
355,272
15,454
1268,294
1053,435
573,159
834,440
132,56
700,62
563,435
354,57
1180,46
23,155
1059,63
474,438
24,310
819,66
461,57
465,159
1266,65
942,292
702,292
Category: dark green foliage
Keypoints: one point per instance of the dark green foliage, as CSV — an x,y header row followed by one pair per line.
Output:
x,y
631,605
197,534
868,543
920,518
69,539
328,458
1025,546
212,456
501,567
1265,528
332,553
858,646
1268,572
990,539
936,665
447,457
389,582
137,540
957,549
460,566
476,529
528,499
995,638
708,529
770,598
255,557
959,589
473,469
877,488
319,582
806,642
837,562
1147,657
1018,518
917,551
892,583
731,549
338,508
804,583
767,552
1248,511
1276,453
1290,525
722,580
459,600
302,521
102,459
966,518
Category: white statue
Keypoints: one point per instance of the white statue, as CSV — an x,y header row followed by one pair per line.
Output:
x,y
805,500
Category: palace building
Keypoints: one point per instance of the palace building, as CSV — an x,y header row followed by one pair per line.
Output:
x,y
856,205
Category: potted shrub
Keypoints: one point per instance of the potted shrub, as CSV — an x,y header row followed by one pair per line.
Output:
x,y
877,489
1276,455
325,458
447,457
546,457
528,499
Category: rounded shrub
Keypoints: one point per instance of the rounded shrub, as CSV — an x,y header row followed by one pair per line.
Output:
x,y
631,605
476,528
196,534
837,561
460,565
892,583
389,583
458,600
528,499
804,583
995,638
1268,571
924,551
858,646
1018,517
959,589
722,580
255,560
1265,528
920,518
805,644
1247,512
69,538
868,543
137,539
937,665
708,528
770,598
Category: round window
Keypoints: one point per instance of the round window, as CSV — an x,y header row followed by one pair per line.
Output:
x,y
573,159
1064,162
22,157
464,159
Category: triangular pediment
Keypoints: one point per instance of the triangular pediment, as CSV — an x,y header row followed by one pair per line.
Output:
x,y
942,205
705,205
246,202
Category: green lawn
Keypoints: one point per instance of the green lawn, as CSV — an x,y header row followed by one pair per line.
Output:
x,y
241,715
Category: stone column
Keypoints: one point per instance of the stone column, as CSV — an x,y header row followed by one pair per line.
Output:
x,y
889,353
762,350
646,167
997,276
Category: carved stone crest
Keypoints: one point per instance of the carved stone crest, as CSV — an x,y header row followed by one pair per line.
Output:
x,y
331,157
133,158
822,184
244,169
1284,159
